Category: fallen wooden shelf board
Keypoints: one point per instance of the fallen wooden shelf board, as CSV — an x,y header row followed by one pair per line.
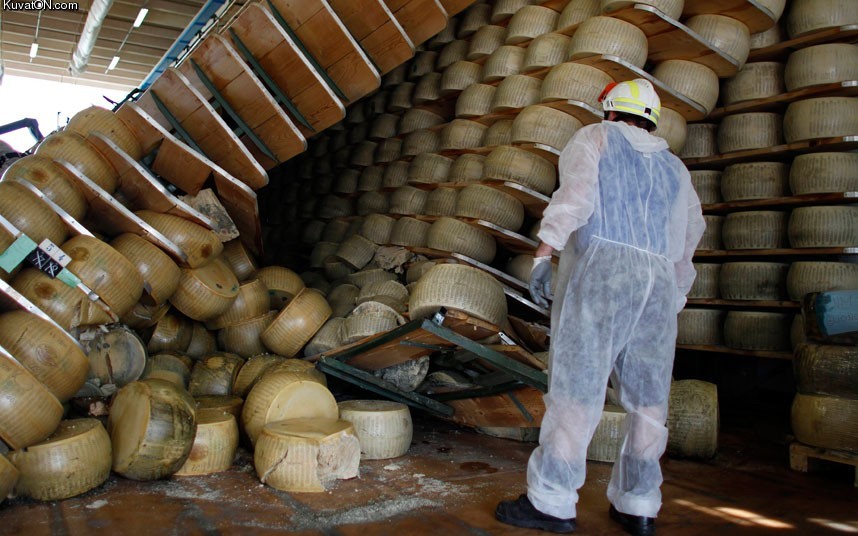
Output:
x,y
754,15
579,110
242,206
746,304
289,69
249,99
533,201
779,51
421,19
200,120
669,39
115,219
454,7
783,202
327,40
620,70
522,408
784,252
377,30
779,152
140,188
734,351
848,88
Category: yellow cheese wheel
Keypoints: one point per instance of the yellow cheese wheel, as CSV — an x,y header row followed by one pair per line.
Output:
x,y
756,80
297,323
206,292
693,419
159,272
200,244
244,338
826,421
95,119
28,411
214,445
51,179
384,428
105,271
214,375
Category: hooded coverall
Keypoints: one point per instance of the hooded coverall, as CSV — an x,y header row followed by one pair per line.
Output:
x,y
627,220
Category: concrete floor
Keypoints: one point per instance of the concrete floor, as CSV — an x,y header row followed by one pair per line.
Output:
x,y
449,484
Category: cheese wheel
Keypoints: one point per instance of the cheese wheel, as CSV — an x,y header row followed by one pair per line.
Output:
x,y
363,154
408,200
418,142
516,91
673,128
574,81
362,324
356,251
707,184
757,330
240,260
474,18
825,421
423,63
68,306
332,206
529,22
254,368
243,338
824,172
806,16
711,239
321,252
441,202
825,117
391,293
214,445
316,281
152,425
283,395
95,119
251,301
544,125
105,271
755,180
342,298
369,275
499,133
51,179
476,99
159,272
29,214
726,34
199,244
598,36
700,326
693,80
410,232
755,229
608,437
220,404
461,287
490,204
577,11
346,182
796,332
172,332
821,64
305,455
329,336
283,284
73,460
824,227
701,140
388,150
451,53
214,375
82,155
768,38
753,280
297,323
449,234
383,428
756,80
545,51
467,167
206,292
168,367
446,35
370,179
416,270
116,354
383,126
8,477
29,412
372,203
417,118
504,9
460,75
692,420
377,227
518,165
755,130
485,41
805,277
457,134
707,281
400,97
826,369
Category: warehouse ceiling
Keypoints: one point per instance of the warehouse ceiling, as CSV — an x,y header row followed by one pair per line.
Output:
x,y
57,33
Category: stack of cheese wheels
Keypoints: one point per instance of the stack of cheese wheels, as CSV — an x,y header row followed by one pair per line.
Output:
x,y
173,367
240,260
707,281
806,16
456,286
450,234
214,375
727,34
546,50
485,41
52,356
700,327
756,80
711,239
755,180
700,140
696,82
214,445
116,354
172,332
8,477
707,184
74,149
821,64
805,277
201,245
51,179
243,338
826,369
541,124
285,394
607,35
67,306
823,227
755,229
252,370
693,419
757,330
29,214
521,166
574,81
608,437
826,421
206,292
356,251
384,428
754,130
824,172
282,283
95,119
296,324
503,62
441,202
250,302
824,117
152,424
342,298
317,452
476,99
328,337
159,272
490,204
29,412
753,280
73,460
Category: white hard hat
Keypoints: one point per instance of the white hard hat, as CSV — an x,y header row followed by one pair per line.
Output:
x,y
636,97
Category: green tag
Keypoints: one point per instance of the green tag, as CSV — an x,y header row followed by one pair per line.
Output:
x,y
68,278
16,253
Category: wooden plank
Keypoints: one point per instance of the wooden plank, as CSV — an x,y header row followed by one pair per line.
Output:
x,y
734,351
779,152
522,408
114,219
294,75
242,205
668,39
756,17
140,188
749,304
780,51
620,70
329,42
775,252
173,162
237,84
782,202
579,110
519,354
376,29
208,130
421,19
454,7
848,88
801,457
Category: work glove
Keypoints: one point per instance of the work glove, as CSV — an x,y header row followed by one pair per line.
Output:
x,y
540,281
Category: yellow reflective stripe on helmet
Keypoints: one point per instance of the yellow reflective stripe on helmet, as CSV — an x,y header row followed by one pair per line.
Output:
x,y
634,89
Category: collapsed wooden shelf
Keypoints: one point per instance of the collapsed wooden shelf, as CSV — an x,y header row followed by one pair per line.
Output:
x,y
781,202
848,88
778,152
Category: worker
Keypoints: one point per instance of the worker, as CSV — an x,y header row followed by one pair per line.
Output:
x,y
627,221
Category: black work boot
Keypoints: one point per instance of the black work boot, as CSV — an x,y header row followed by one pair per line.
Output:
x,y
522,513
637,525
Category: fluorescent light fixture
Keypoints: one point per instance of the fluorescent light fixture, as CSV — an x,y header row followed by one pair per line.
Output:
x,y
34,49
140,16
113,63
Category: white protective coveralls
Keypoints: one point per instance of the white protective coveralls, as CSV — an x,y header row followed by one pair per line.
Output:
x,y
623,276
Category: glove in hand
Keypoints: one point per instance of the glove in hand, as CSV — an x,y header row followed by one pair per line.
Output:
x,y
540,281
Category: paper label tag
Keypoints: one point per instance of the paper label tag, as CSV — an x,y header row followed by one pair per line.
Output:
x,y
55,252
16,253
44,262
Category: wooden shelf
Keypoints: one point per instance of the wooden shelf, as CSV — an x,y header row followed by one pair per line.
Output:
x,y
778,152
848,88
779,51
447,256
756,17
746,304
579,110
620,70
727,253
734,351
507,239
669,39
783,202
533,201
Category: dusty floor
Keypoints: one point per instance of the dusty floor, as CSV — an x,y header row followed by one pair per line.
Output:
x,y
449,483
